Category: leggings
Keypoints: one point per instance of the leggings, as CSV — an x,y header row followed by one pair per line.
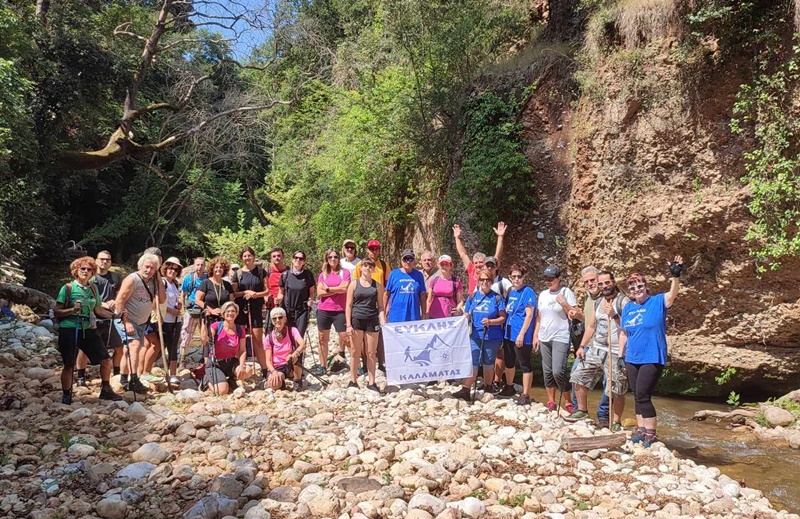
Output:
x,y
644,379
299,319
554,364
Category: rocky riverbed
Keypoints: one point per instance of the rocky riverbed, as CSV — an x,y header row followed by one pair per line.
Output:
x,y
335,452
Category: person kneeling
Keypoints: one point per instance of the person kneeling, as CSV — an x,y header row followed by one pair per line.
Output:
x,y
226,362
284,348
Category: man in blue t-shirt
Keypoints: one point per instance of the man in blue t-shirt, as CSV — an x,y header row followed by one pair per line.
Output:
x,y
191,319
405,296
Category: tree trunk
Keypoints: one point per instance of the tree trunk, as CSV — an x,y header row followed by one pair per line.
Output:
x,y
26,296
606,441
42,7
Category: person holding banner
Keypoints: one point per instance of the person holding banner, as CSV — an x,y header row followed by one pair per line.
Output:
x,y
364,313
486,309
447,293
405,297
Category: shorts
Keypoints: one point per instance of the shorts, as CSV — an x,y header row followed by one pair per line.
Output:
x,y
254,312
591,369
104,329
286,370
327,318
139,331
522,355
368,324
490,349
88,342
224,371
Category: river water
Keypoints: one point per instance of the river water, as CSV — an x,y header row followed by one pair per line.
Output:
x,y
740,455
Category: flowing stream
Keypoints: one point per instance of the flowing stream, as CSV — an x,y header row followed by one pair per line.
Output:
x,y
740,455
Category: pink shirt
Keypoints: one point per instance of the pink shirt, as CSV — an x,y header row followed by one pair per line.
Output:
x,y
282,349
335,302
226,344
443,298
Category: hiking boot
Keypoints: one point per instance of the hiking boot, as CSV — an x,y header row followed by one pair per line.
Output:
x,y
81,382
462,393
66,399
507,391
106,393
617,427
551,405
352,383
602,422
649,440
374,387
136,386
524,400
297,386
639,435
577,416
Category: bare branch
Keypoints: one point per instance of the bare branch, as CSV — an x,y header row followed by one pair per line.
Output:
x,y
122,29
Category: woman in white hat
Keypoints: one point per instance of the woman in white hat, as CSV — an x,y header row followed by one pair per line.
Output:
x,y
171,274
447,293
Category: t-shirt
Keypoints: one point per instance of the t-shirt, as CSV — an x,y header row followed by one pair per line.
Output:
x,y
646,327
553,322
589,306
297,289
215,295
191,282
516,304
226,344
404,290
472,278
281,349
173,294
501,285
349,266
606,327
104,288
250,280
275,279
429,277
335,302
444,296
89,298
114,282
480,306
380,273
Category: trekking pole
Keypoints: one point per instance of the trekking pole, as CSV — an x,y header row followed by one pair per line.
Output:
x,y
160,321
561,387
480,364
250,334
212,360
74,356
311,347
127,355
304,369
610,386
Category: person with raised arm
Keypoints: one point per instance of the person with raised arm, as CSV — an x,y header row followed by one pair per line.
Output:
x,y
474,266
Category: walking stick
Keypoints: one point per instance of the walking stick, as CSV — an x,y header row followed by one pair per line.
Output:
x,y
250,334
610,386
480,364
561,387
308,371
127,355
74,356
160,320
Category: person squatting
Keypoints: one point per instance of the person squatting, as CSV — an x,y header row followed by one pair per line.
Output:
x,y
254,319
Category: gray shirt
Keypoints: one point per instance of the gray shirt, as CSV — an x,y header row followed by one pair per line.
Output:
x,y
140,305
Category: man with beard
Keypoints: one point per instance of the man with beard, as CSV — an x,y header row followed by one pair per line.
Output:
x,y
601,337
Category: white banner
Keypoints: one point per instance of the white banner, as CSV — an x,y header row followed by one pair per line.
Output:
x,y
423,351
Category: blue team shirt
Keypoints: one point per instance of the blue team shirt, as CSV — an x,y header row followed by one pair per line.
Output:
x,y
404,289
187,288
515,307
646,327
480,305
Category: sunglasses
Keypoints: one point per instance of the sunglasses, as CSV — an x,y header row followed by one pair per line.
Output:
x,y
445,264
516,276
373,249
485,280
350,247
234,269
408,259
85,269
299,258
173,268
279,318
636,287
333,257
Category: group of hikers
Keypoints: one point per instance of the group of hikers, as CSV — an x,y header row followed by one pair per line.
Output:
x,y
253,322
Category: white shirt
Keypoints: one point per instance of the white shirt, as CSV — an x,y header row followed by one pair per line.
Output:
x,y
349,265
554,325
173,295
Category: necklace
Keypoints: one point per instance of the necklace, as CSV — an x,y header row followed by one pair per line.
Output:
x,y
217,292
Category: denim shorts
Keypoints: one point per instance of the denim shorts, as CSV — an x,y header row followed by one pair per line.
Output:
x,y
490,349
139,331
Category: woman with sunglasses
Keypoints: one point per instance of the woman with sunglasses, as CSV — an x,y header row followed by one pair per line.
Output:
x,y
643,345
250,284
172,323
518,341
230,352
349,260
296,292
284,347
364,313
557,305
487,311
447,292
332,289
213,293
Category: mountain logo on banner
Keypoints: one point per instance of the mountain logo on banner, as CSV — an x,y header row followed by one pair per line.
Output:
x,y
436,351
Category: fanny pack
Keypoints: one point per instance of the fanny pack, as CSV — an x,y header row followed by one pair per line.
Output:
x,y
194,312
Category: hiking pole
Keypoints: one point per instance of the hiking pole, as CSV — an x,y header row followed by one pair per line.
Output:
x,y
74,353
250,334
160,321
561,387
315,359
610,386
126,342
212,360
480,364
304,369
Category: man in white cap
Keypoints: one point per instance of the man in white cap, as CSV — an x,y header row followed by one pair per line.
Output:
x,y
349,259
232,272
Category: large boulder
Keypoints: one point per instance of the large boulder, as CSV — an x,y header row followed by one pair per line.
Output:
x,y
777,417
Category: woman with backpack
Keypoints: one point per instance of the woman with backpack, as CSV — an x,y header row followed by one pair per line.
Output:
x,y
332,286
250,284
283,348
518,341
486,310
76,302
557,305
172,322
365,314
447,292
227,358
296,292
213,293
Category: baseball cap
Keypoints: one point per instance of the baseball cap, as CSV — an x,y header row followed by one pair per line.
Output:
x,y
235,266
445,258
373,243
174,261
349,242
552,271
406,253
491,259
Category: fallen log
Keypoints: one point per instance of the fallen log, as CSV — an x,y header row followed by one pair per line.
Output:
x,y
737,415
606,441
26,296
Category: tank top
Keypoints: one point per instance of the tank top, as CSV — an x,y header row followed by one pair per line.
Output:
x,y
365,300
173,294
140,304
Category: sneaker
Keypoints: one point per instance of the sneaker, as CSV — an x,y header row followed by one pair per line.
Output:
x,y
577,416
81,382
602,422
297,386
352,384
106,393
649,440
551,405
318,370
66,399
524,400
568,408
174,381
374,387
617,427
639,435
507,391
462,393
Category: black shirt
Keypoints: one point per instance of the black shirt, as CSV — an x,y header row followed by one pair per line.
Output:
x,y
216,295
297,289
250,280
114,282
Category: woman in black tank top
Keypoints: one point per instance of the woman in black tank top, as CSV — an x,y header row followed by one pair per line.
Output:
x,y
365,314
